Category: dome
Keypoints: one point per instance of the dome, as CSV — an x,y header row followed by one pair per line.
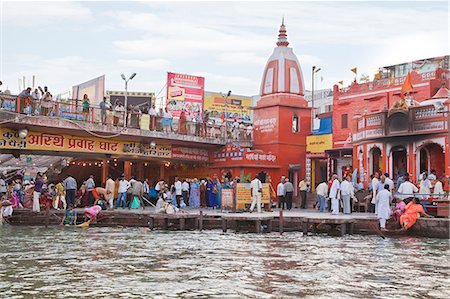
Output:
x,y
282,73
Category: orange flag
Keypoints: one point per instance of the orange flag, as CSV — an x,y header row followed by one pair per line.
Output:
x,y
407,86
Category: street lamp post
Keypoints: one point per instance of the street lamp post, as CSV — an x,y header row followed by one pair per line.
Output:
x,y
314,71
225,118
126,96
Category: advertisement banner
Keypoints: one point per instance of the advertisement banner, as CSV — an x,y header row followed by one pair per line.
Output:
x,y
227,199
237,107
244,195
318,143
67,143
134,98
185,92
95,90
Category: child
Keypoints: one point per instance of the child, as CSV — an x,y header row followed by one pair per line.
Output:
x,y
399,209
70,216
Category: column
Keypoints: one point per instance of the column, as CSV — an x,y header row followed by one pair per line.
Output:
x,y
140,171
127,169
105,171
161,171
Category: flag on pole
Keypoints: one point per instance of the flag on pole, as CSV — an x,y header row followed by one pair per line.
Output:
x,y
392,78
377,76
407,86
354,70
341,82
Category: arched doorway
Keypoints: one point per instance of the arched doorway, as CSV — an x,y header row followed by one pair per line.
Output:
x,y
430,157
399,161
375,160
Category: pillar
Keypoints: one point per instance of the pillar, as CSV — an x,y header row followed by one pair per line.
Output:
x,y
161,171
140,171
127,169
105,171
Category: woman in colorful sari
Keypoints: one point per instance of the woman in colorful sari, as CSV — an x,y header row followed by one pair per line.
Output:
x,y
194,196
203,200
211,196
219,193
413,211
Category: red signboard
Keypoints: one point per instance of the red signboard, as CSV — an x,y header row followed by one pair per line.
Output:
x,y
185,92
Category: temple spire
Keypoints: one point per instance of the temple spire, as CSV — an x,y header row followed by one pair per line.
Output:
x,y
282,35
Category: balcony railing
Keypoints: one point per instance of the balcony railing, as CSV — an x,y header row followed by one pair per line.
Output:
x,y
54,113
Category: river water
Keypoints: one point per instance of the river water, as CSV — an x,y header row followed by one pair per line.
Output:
x,y
61,262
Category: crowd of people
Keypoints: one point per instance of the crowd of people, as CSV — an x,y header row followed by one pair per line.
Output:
x,y
41,102
401,201
42,193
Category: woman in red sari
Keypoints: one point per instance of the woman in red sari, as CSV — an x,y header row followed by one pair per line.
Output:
x,y
182,129
413,211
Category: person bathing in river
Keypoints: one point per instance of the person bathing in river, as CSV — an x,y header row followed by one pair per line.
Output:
x,y
70,216
412,212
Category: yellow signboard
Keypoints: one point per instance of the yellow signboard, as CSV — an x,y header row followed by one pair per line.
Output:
x,y
244,195
238,107
39,141
318,143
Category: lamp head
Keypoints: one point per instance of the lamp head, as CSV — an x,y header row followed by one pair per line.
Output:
x,y
123,77
229,93
132,76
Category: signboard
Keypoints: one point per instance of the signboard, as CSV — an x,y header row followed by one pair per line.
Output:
x,y
244,195
237,107
67,143
191,154
95,89
145,122
227,199
185,92
318,143
134,98
233,153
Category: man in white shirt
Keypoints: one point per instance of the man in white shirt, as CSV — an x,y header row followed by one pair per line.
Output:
x,y
178,190
375,182
152,113
249,130
389,182
289,191
281,193
407,189
335,195
303,187
235,127
438,191
347,193
185,191
123,187
432,175
256,191
322,194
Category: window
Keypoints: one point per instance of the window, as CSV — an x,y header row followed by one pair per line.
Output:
x,y
344,121
295,124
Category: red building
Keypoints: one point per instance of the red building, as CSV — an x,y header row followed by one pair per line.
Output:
x,y
374,131
282,120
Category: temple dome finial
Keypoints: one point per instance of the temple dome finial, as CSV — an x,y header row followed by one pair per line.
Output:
x,y
282,35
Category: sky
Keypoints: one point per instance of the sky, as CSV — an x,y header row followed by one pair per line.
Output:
x,y
64,43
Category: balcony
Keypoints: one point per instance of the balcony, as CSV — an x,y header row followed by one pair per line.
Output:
x,y
69,116
414,121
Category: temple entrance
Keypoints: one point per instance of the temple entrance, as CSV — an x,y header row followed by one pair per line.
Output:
x,y
399,161
375,160
430,158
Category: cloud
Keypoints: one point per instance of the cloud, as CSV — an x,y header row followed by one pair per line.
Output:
x,y
37,13
152,64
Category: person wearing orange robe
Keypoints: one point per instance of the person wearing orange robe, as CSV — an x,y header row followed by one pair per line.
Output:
x,y
413,211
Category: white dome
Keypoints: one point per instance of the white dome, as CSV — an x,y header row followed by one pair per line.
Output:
x,y
283,73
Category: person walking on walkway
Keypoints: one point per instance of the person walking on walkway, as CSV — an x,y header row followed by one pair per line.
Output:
x,y
335,194
185,192
289,189
303,187
123,187
178,190
256,192
383,204
347,193
281,193
110,188
90,186
322,194
70,186
37,192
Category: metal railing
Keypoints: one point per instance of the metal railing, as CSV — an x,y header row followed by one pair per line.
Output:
x,y
73,110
